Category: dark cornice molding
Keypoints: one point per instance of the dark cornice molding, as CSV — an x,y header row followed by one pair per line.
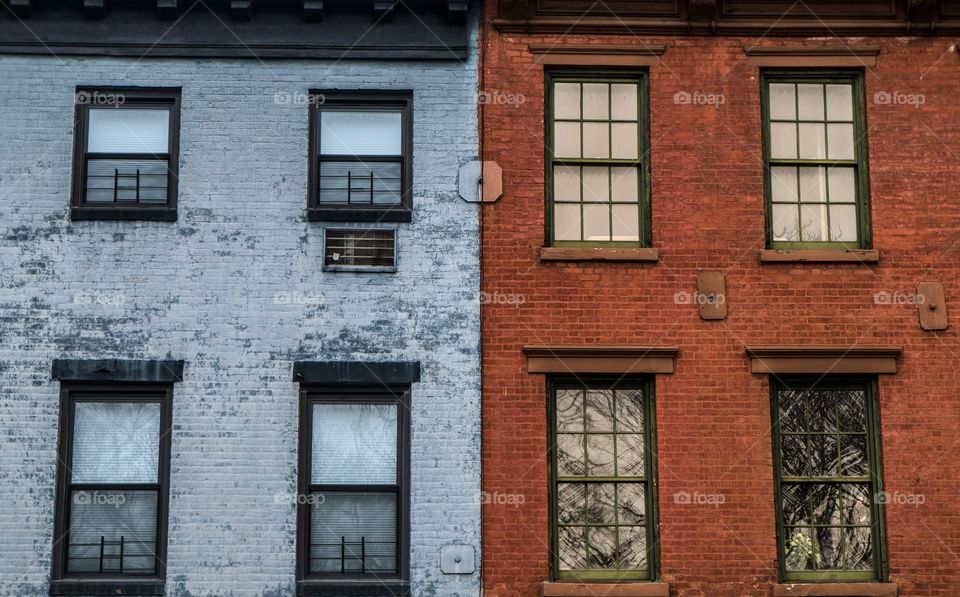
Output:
x,y
734,17
823,359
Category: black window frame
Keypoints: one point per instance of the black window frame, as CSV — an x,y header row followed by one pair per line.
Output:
x,y
651,463
360,100
369,583
133,97
62,582
869,385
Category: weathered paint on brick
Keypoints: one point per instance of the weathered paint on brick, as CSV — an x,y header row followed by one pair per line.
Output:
x,y
234,288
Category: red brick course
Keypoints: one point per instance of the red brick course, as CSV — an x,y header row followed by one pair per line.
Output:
x,y
713,415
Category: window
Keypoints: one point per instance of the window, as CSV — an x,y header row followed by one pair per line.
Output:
x,y
361,157
816,160
126,154
597,167
353,505
360,250
827,468
602,467
112,490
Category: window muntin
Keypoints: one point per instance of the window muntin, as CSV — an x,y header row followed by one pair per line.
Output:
x,y
603,517
827,480
361,153
115,450
816,160
597,175
354,490
127,150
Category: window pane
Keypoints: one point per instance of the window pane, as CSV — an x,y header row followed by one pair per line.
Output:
x,y
783,184
813,185
566,183
596,183
631,504
633,548
566,143
794,456
813,223
624,99
360,527
852,407
624,185
858,549
570,457
840,140
599,410
785,223
812,141
571,501
795,498
783,101
601,507
843,223
625,141
596,222
129,517
566,221
629,411
810,98
566,99
569,410
830,554
596,101
783,140
800,551
354,444
573,548
630,455
596,140
626,223
126,181
126,130
372,183
116,442
840,102
854,461
600,455
360,133
842,185
601,548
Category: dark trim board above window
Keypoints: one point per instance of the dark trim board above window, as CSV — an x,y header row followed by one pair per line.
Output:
x,y
600,359
823,360
352,373
126,154
117,370
361,156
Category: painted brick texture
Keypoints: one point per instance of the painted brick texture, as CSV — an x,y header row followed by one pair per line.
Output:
x,y
713,415
234,288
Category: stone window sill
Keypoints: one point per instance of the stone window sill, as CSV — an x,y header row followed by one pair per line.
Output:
x,y
819,256
129,214
601,589
647,255
836,589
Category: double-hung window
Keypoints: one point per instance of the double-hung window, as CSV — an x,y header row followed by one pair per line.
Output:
x,y
602,471
816,160
126,154
112,492
597,163
361,157
353,507
826,457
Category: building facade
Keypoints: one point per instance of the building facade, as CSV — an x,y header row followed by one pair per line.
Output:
x,y
239,303
721,359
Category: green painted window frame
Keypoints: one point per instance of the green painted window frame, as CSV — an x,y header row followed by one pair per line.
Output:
x,y
641,78
878,531
646,385
860,161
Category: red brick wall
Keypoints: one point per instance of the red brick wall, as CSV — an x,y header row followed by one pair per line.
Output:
x,y
713,419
